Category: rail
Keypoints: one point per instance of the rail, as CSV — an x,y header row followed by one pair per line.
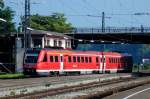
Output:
x,y
65,89
112,30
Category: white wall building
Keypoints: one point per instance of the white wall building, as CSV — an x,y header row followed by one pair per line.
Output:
x,y
45,39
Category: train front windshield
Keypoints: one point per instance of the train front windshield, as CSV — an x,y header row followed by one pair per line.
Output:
x,y
31,59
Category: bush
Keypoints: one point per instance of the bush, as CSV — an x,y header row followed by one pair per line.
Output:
x,y
11,76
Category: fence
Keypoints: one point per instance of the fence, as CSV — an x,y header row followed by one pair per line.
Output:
x,y
113,30
7,67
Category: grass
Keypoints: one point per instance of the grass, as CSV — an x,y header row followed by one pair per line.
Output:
x,y
11,76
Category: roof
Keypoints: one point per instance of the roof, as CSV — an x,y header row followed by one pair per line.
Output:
x,y
48,33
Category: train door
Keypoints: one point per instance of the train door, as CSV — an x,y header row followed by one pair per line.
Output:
x,y
61,63
54,61
104,64
101,65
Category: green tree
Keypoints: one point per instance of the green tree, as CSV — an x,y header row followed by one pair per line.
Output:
x,y
7,14
1,4
56,22
145,50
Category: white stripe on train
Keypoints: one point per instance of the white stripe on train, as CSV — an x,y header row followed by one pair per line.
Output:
x,y
77,70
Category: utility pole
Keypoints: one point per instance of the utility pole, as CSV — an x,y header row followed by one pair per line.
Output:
x,y
27,33
103,22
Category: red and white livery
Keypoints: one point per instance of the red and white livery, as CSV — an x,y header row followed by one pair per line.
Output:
x,y
66,61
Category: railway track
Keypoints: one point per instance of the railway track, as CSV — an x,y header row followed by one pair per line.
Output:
x,y
65,89
33,82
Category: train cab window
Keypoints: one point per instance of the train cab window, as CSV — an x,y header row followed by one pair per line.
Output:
x,y
86,59
51,59
78,59
45,58
56,58
82,59
97,60
90,59
74,59
69,58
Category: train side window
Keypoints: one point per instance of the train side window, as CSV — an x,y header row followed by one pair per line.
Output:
x,y
97,60
78,59
61,59
82,59
51,59
109,60
104,60
90,59
45,58
86,59
74,59
69,58
101,59
117,60
56,58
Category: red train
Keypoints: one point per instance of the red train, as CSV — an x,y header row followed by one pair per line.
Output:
x,y
65,61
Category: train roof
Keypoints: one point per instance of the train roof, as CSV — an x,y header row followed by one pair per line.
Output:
x,y
48,50
73,51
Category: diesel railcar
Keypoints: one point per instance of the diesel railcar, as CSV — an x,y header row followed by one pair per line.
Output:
x,y
50,62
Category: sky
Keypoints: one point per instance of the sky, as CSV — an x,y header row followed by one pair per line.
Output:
x,y
119,13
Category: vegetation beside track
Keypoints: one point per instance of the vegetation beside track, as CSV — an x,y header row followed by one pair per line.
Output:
x,y
138,68
11,76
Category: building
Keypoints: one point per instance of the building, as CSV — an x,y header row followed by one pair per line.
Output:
x,y
40,39
45,39
146,60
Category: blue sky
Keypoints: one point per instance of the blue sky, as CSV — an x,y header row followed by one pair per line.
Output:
x,y
76,11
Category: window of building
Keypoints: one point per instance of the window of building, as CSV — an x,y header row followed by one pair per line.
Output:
x,y
69,44
48,42
66,44
55,42
60,43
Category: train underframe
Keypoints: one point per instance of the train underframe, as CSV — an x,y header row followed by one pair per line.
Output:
x,y
33,71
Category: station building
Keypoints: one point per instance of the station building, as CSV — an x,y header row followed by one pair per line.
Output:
x,y
44,39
